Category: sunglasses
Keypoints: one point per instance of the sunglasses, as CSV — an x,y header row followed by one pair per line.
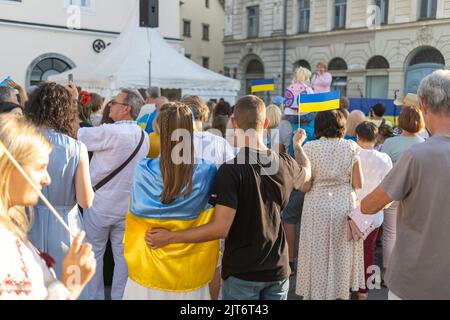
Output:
x,y
115,102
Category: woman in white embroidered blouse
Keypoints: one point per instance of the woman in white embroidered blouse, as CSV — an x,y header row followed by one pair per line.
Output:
x,y
26,273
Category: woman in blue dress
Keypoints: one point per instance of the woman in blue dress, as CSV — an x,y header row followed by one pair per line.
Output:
x,y
52,108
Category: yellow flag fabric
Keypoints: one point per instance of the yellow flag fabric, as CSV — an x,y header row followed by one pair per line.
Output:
x,y
155,145
176,267
2,147
319,102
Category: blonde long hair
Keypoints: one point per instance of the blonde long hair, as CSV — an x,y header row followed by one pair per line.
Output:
x,y
302,75
177,178
23,140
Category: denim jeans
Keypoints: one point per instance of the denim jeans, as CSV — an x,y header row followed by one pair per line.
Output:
x,y
237,289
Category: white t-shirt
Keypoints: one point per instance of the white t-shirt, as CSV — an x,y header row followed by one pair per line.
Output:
x,y
212,148
112,144
375,166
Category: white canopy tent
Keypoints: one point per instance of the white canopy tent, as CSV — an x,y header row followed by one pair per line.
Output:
x,y
124,64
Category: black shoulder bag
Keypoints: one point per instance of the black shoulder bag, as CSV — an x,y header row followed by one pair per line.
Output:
x,y
118,169
122,166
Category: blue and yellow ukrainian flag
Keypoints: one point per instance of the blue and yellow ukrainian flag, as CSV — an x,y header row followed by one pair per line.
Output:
x,y
263,85
180,267
319,102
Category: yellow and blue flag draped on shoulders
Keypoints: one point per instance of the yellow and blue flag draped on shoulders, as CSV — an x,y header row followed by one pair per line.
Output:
x,y
178,267
319,101
263,85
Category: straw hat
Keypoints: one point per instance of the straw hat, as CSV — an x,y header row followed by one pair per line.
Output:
x,y
410,99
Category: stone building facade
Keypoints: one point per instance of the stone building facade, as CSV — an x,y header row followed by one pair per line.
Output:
x,y
373,48
202,24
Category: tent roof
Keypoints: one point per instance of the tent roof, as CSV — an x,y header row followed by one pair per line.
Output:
x,y
125,64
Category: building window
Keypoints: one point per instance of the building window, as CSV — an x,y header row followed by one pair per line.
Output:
x,y
46,68
252,21
303,16
337,64
207,3
303,64
205,62
83,4
227,72
205,32
338,68
255,67
187,55
377,62
384,10
427,9
377,86
427,55
340,13
186,28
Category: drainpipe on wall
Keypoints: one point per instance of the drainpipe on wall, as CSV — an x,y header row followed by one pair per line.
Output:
x,y
283,71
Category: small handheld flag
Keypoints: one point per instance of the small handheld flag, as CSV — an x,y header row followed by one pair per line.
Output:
x,y
319,101
5,81
5,151
263,85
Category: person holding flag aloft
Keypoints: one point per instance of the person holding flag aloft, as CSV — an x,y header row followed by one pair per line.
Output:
x,y
172,194
25,272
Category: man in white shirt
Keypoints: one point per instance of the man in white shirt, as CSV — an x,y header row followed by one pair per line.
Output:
x,y
207,146
112,145
375,166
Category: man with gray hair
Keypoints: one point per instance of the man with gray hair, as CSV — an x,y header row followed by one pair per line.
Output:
x,y
419,267
152,94
113,146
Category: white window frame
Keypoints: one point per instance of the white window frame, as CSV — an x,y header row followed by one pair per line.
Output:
x,y
429,9
13,2
343,10
384,7
84,9
300,11
257,22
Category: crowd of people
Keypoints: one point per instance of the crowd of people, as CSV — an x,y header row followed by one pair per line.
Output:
x,y
207,201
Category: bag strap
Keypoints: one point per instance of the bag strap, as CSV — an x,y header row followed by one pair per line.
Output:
x,y
122,166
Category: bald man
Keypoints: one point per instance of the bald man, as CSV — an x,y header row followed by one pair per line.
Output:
x,y
354,119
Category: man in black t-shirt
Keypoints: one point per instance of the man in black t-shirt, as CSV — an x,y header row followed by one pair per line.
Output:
x,y
249,193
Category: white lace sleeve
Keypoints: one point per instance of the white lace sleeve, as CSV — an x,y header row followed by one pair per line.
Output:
x,y
23,274
58,291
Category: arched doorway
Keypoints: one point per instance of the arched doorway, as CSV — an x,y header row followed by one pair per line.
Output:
x,y
420,63
338,69
301,63
377,79
254,70
45,66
